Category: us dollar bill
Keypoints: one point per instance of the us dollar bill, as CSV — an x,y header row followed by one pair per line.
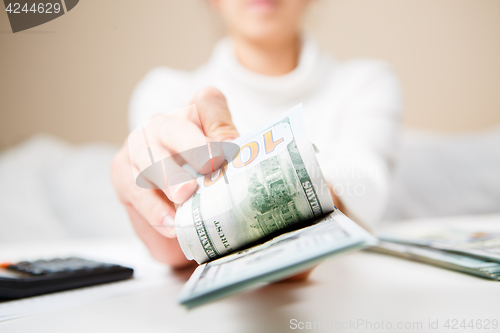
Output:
x,y
280,257
270,184
445,259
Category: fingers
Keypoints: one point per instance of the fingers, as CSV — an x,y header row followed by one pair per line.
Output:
x,y
168,141
177,184
176,139
180,185
187,142
168,135
156,209
151,204
214,114
166,250
157,153
150,212
301,277
152,161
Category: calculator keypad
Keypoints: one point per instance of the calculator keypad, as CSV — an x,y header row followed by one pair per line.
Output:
x,y
56,266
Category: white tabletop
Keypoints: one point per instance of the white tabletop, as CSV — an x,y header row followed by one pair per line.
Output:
x,y
345,294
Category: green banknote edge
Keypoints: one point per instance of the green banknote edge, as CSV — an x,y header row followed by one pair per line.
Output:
x,y
196,204
298,165
270,277
442,263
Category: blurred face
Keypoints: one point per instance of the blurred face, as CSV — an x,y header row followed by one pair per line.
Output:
x,y
262,20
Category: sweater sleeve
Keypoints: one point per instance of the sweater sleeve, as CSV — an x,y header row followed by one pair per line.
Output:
x,y
161,90
359,160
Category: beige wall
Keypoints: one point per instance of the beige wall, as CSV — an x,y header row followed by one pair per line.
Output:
x,y
73,76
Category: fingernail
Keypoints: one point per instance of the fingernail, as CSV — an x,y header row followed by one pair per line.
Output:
x,y
169,227
174,189
178,179
216,149
201,156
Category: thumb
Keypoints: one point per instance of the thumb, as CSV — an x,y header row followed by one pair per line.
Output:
x,y
214,115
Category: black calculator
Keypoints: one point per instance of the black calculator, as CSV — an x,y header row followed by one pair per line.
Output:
x,y
30,278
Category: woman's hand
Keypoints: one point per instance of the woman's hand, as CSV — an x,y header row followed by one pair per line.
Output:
x,y
152,212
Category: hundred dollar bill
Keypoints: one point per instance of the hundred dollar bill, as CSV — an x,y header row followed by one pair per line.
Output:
x,y
453,261
483,244
278,258
272,183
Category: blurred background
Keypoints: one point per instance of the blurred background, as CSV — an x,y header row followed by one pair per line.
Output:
x,y
73,77
69,81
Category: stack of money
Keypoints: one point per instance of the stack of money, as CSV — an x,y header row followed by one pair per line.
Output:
x,y
272,184
267,214
473,252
